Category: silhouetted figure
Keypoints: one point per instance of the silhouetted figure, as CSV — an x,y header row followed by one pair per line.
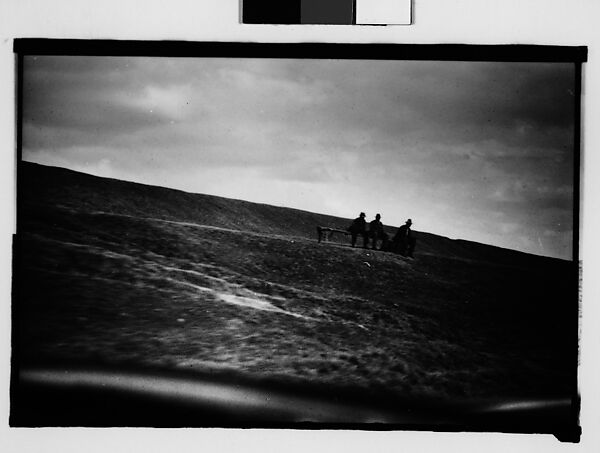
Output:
x,y
359,227
404,241
376,232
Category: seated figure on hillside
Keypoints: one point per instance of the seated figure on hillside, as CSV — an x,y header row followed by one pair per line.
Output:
x,y
359,227
376,233
404,241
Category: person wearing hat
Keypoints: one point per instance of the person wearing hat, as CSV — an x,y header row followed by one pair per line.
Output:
x,y
359,227
376,232
404,240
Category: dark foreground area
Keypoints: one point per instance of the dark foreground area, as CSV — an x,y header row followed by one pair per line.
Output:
x,y
75,396
119,276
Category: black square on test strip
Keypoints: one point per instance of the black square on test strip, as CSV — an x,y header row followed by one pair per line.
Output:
x,y
271,11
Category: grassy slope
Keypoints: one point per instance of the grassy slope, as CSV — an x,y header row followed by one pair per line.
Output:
x,y
120,272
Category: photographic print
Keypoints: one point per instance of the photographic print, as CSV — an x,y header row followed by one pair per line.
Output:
x,y
304,237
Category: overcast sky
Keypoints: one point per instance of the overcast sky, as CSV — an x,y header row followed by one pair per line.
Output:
x,y
478,151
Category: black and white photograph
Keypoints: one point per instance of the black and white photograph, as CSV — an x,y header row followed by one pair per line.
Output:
x,y
363,241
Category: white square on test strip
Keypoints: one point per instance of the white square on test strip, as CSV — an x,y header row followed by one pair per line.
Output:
x,y
383,12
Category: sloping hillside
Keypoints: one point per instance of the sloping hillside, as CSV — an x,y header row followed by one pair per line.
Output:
x,y
45,186
91,193
114,272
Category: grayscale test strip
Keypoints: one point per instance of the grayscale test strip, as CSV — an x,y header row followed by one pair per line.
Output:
x,y
327,12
